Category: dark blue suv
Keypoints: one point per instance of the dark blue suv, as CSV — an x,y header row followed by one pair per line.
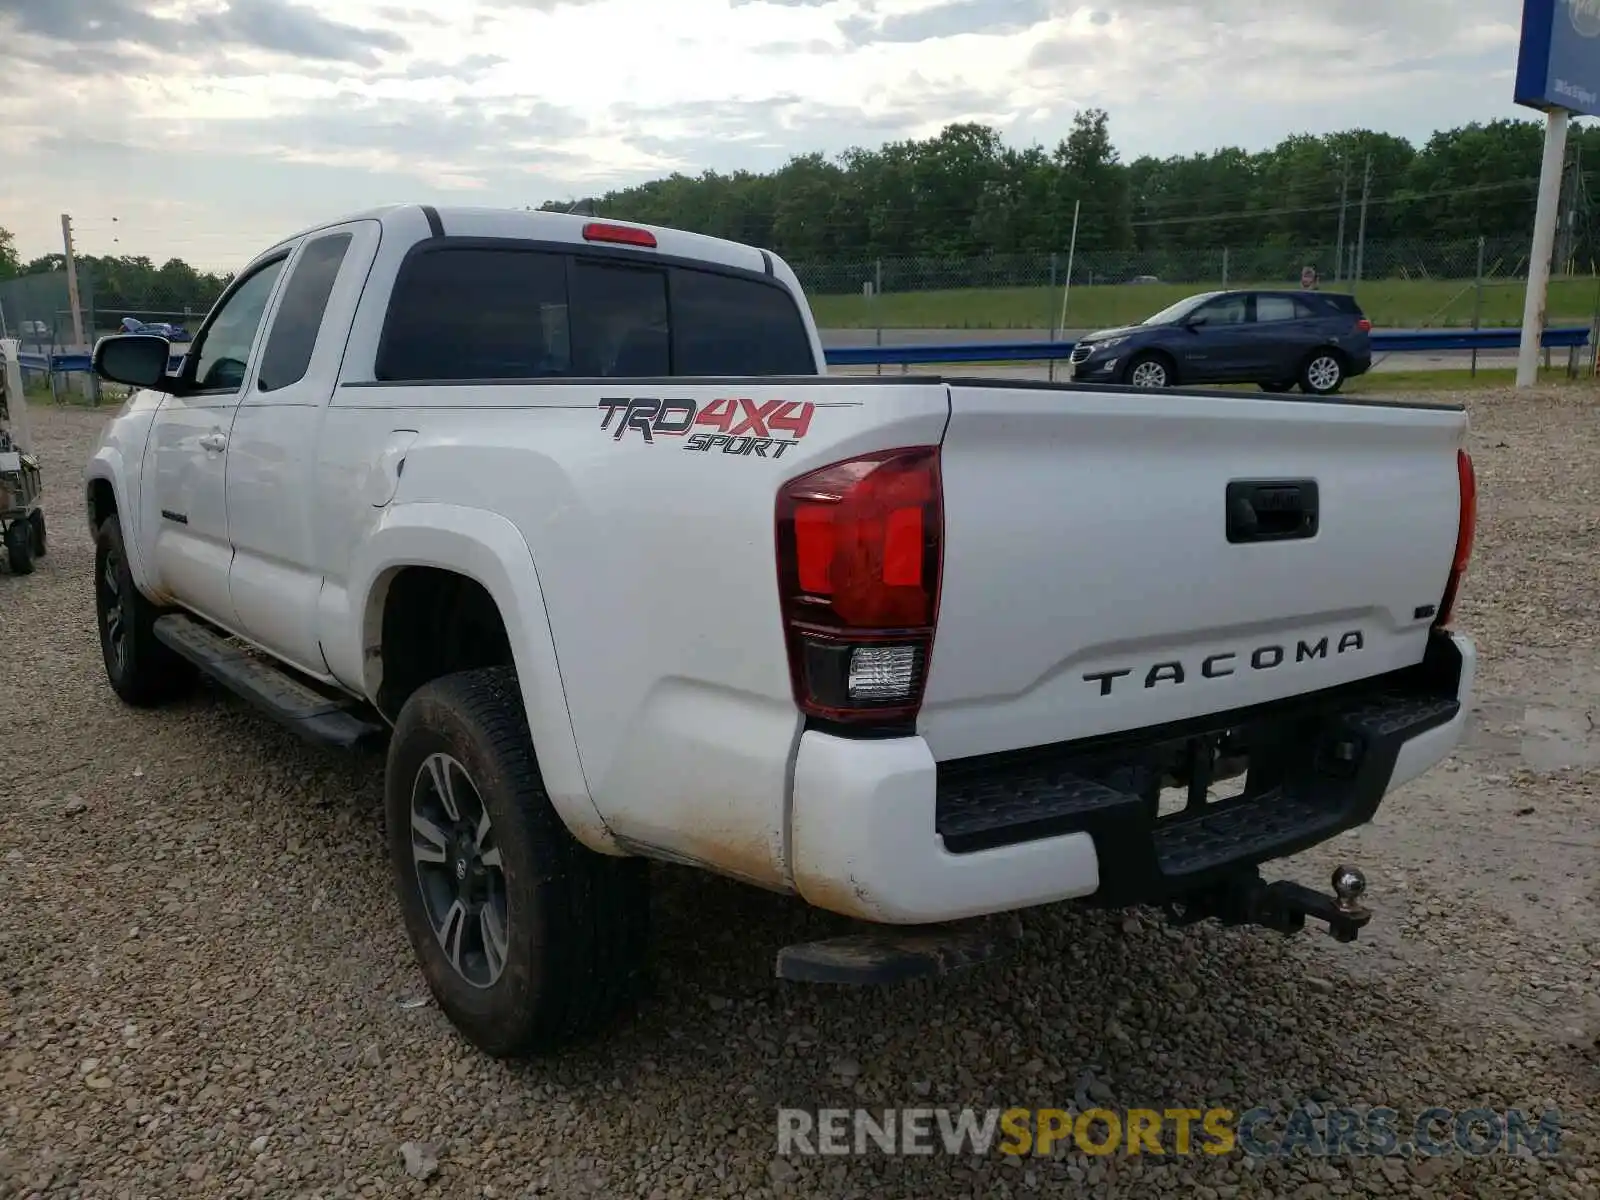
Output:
x,y
1275,339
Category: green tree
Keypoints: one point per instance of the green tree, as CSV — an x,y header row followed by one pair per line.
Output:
x,y
10,264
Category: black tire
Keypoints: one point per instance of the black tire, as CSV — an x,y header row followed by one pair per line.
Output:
x,y
574,924
1323,372
36,519
19,547
141,669
1143,369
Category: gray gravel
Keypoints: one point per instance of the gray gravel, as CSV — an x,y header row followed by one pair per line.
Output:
x,y
205,991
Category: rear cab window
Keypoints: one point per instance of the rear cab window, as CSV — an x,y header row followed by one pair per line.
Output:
x,y
535,311
467,313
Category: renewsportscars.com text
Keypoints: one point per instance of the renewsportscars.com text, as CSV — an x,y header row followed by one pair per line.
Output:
x,y
1319,1131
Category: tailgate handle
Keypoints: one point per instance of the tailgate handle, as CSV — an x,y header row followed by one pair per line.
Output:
x,y
1271,510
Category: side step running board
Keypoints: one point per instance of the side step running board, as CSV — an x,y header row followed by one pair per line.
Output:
x,y
316,715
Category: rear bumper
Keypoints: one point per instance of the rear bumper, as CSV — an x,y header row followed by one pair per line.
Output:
x,y
882,832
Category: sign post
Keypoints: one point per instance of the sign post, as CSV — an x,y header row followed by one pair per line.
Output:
x,y
1558,73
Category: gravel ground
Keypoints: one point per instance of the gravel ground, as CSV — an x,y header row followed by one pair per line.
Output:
x,y
206,983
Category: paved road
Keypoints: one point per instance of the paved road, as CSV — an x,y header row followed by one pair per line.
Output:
x,y
1443,360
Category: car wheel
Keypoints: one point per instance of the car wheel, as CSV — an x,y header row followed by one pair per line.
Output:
x,y
142,670
1148,371
19,547
527,939
36,520
1323,374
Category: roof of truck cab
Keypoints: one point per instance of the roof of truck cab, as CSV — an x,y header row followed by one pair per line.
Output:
x,y
480,222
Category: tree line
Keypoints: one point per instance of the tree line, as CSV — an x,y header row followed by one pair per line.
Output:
x,y
965,193
118,284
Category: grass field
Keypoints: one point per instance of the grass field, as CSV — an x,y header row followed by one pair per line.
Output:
x,y
1388,303
1448,381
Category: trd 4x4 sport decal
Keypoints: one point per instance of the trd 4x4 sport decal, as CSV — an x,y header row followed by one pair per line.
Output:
x,y
764,428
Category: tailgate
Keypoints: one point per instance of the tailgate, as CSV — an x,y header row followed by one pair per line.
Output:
x,y
1090,585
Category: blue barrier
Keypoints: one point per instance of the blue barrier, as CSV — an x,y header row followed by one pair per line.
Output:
x,y
1382,343
869,356
71,362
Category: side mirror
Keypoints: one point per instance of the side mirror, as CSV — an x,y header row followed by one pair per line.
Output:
x,y
137,359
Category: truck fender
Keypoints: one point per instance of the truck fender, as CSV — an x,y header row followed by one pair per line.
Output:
x,y
490,550
107,465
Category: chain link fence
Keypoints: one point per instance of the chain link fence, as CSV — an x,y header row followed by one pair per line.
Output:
x,y
36,309
1440,282
1226,265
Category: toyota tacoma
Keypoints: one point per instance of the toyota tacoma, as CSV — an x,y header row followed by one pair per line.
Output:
x,y
567,518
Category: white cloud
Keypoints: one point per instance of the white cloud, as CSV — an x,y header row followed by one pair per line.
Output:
x,y
208,128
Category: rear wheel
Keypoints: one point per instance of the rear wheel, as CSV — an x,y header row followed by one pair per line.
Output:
x,y
1323,373
142,670
19,547
527,938
1148,371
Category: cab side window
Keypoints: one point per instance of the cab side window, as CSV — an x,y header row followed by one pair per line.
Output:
x,y
299,318
223,356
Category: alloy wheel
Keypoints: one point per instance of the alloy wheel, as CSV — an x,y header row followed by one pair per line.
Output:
x,y
1323,373
459,869
1149,374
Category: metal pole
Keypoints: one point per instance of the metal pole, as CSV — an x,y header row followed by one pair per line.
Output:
x,y
1594,328
1477,306
1361,237
1072,253
1544,233
1224,266
1344,197
877,307
72,282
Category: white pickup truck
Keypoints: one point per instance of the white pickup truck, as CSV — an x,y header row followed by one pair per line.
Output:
x,y
571,515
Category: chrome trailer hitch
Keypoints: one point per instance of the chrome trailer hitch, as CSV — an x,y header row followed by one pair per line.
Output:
x,y
1244,898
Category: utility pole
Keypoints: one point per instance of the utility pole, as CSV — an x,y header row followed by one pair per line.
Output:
x,y
1567,230
72,281
1361,237
1344,198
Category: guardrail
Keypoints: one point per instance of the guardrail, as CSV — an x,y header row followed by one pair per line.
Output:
x,y
1570,337
58,364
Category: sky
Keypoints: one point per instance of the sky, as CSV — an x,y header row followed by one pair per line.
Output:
x,y
208,129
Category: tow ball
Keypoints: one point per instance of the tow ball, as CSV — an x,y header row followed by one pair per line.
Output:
x,y
1245,898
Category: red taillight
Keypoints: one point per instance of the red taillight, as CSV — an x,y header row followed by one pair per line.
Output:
x,y
859,558
1466,530
1364,325
626,235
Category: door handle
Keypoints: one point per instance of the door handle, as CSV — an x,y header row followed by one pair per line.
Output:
x,y
1272,510
214,441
